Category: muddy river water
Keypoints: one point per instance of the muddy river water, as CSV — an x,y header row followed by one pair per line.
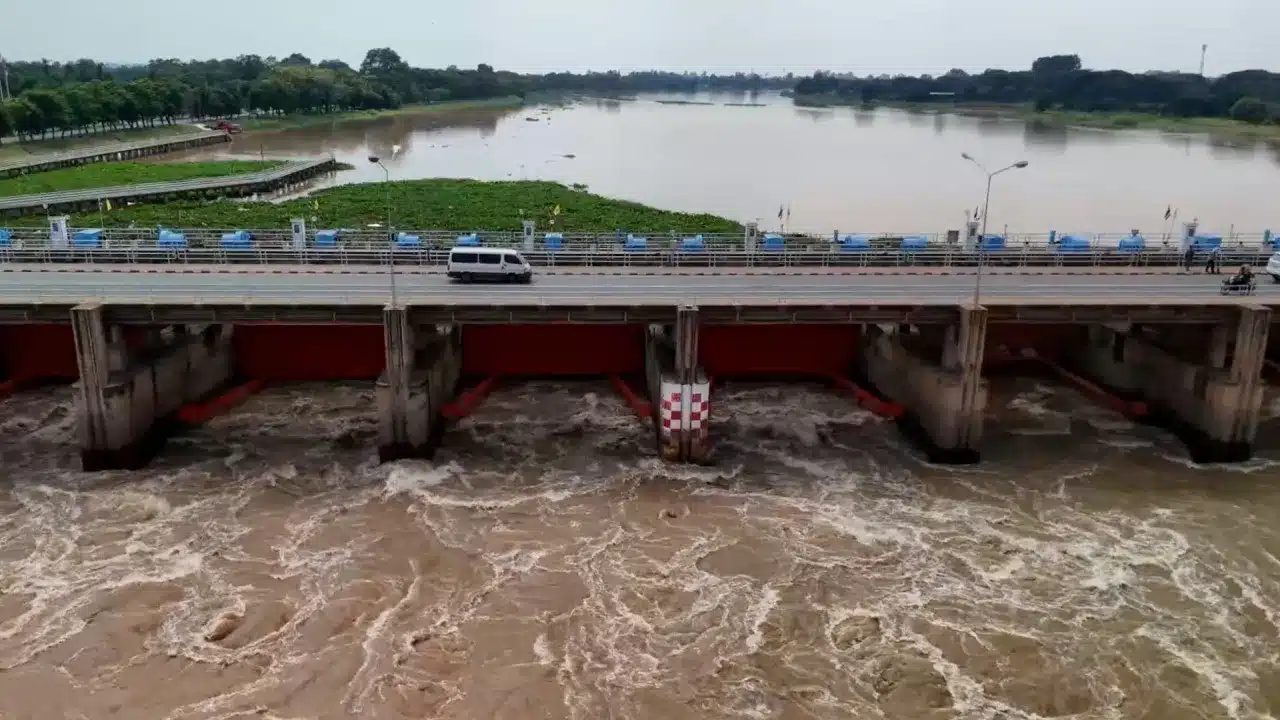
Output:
x,y
547,565
837,169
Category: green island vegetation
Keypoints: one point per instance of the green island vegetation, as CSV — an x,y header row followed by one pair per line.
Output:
x,y
87,97
418,205
101,175
1058,91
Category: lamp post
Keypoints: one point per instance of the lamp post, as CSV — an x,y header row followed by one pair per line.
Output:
x,y
378,161
986,205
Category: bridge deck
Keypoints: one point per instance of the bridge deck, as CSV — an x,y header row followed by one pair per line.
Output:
x,y
319,295
1030,272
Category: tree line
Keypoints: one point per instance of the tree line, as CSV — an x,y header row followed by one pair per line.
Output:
x,y
85,96
1059,82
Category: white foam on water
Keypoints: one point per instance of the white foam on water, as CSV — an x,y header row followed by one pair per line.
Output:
x,y
542,651
818,569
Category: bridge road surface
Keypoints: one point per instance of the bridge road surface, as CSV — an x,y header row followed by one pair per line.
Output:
x,y
53,284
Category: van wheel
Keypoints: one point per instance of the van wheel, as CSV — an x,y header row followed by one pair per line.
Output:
x,y
466,277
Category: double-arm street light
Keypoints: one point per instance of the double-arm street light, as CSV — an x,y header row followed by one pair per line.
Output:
x,y
378,161
986,206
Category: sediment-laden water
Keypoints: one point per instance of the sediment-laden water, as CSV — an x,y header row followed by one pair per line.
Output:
x,y
546,565
842,169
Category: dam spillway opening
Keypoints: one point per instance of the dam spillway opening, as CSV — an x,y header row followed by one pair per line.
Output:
x,y
615,358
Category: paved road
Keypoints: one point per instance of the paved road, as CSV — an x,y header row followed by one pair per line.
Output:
x,y
134,191
37,159
335,288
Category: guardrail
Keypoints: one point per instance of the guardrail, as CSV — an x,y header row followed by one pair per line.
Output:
x,y
384,255
276,238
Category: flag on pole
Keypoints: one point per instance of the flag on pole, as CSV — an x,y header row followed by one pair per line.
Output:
x,y
788,212
108,204
315,204
779,212
556,210
1168,212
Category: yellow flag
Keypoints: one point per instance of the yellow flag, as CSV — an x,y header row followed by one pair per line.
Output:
x,y
316,204
556,211
108,205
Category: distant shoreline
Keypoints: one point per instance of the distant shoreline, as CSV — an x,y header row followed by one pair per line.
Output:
x,y
1222,127
300,121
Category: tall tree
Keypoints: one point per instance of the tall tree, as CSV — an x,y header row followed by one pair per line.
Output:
x,y
6,122
52,107
26,117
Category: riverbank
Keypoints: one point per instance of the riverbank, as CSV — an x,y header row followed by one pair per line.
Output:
x,y
1222,127
421,205
12,151
101,175
296,122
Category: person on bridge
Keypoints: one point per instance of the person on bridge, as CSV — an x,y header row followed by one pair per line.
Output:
x,y
1213,265
1189,257
1243,277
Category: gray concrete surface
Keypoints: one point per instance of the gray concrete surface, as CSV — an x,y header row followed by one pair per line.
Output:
x,y
306,288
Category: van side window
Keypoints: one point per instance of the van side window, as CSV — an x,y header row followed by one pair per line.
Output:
x,y
511,258
464,258
490,259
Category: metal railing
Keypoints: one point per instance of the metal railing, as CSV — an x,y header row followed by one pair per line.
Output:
x,y
591,242
263,254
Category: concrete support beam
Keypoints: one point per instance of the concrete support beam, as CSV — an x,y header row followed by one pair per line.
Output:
x,y
126,401
695,388
421,377
686,333
945,397
659,370
92,356
1207,388
679,389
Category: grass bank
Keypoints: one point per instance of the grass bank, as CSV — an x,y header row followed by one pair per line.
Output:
x,y
124,173
1223,127
422,205
296,122
12,151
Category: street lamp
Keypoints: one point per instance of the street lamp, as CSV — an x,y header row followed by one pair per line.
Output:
x,y
986,205
378,161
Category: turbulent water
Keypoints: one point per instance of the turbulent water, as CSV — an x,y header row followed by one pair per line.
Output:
x,y
546,565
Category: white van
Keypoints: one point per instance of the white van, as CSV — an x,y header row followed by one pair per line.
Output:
x,y
1273,266
470,264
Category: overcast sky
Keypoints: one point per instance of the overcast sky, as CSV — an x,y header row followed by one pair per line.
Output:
x,y
768,36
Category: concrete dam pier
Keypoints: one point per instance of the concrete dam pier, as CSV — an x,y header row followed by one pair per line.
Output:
x,y
130,391
1203,382
1187,360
